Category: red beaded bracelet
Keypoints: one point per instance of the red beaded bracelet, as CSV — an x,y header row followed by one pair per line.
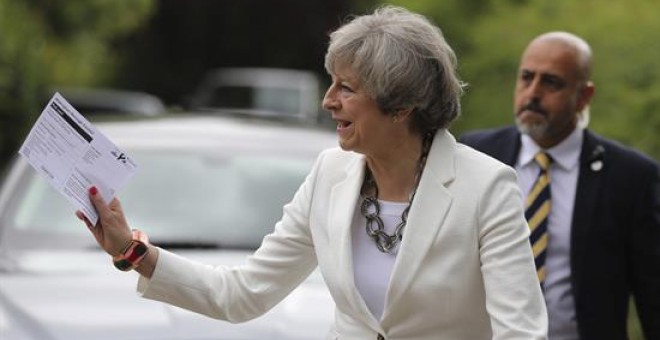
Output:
x,y
134,253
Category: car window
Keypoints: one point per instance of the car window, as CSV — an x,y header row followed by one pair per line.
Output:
x,y
232,200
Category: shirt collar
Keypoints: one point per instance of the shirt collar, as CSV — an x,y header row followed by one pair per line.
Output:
x,y
566,154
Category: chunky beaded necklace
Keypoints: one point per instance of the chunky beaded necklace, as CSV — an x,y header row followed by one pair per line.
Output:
x,y
370,208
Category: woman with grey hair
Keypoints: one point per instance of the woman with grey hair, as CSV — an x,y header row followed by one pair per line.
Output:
x,y
417,237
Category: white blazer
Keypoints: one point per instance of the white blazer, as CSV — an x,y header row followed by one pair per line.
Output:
x,y
464,270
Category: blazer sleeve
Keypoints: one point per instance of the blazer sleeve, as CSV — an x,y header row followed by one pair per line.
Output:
x,y
514,299
236,294
645,254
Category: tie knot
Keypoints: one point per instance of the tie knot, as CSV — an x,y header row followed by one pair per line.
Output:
x,y
543,160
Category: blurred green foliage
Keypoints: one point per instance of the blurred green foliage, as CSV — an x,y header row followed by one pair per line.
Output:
x,y
490,35
21,73
56,42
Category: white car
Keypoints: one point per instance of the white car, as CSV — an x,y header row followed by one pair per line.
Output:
x,y
208,188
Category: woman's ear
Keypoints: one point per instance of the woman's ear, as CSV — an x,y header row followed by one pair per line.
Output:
x,y
401,115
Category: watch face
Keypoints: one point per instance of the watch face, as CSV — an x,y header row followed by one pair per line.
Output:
x,y
139,251
123,264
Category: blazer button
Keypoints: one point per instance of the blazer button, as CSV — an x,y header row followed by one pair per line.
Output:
x,y
380,337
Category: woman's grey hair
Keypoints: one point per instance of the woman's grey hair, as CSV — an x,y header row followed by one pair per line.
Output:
x,y
403,62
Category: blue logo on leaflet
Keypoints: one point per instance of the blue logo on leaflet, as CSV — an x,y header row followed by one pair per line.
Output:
x,y
120,156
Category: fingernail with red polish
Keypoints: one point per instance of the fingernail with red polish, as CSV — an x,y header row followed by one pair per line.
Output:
x,y
93,191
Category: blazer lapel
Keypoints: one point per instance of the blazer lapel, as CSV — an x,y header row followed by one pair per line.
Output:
x,y
429,208
592,165
509,147
343,202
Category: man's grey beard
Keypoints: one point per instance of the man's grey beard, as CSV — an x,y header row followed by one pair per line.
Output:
x,y
535,131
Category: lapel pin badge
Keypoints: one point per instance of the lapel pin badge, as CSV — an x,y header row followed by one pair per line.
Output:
x,y
596,165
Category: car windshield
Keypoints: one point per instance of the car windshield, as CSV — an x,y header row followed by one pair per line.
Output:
x,y
221,199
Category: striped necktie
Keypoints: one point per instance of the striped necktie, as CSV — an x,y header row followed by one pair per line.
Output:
x,y
537,209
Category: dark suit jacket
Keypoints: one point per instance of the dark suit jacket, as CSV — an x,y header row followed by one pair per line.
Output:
x,y
615,234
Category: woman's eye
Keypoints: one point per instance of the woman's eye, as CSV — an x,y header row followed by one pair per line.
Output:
x,y
346,88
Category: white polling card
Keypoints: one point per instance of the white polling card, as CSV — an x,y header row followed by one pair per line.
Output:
x,y
67,150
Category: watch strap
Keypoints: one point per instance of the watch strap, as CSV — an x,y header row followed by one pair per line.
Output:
x,y
134,253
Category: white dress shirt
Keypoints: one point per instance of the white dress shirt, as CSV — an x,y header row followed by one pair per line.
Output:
x,y
563,184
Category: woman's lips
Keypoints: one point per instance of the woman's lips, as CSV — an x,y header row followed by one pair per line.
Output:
x,y
342,124
343,127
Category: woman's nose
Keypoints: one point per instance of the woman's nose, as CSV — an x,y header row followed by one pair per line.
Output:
x,y
329,101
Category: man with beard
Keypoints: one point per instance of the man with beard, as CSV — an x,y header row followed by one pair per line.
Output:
x,y
594,214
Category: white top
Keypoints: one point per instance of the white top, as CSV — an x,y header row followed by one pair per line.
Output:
x,y
371,267
563,183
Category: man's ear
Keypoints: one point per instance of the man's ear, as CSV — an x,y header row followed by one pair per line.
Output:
x,y
586,93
